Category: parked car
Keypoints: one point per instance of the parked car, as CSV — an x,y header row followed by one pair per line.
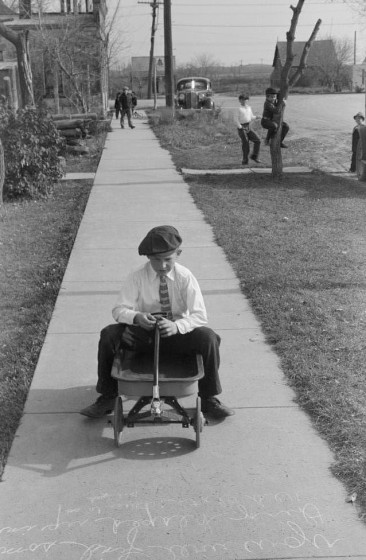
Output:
x,y
194,93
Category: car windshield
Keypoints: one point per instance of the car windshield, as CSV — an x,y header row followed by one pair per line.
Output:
x,y
192,84
200,84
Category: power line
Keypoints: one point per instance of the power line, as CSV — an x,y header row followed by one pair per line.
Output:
x,y
210,5
260,26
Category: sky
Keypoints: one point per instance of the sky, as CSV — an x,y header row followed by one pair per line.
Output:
x,y
233,32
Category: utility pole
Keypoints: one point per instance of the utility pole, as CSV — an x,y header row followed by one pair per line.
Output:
x,y
168,55
155,6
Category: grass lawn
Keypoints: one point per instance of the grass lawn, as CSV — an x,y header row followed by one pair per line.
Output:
x,y
36,238
298,248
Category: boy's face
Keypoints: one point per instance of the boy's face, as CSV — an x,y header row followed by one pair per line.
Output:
x,y
359,120
271,97
243,101
163,263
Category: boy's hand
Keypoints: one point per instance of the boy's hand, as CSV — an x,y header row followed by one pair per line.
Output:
x,y
167,328
145,321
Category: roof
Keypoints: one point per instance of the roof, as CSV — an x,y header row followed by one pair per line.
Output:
x,y
319,51
5,11
49,21
194,78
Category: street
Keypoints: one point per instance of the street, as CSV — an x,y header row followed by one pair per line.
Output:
x,y
310,115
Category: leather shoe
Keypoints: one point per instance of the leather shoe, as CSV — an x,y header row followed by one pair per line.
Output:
x,y
283,145
132,126
245,162
101,407
214,408
254,158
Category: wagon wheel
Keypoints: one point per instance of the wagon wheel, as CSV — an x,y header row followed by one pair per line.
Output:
x,y
198,422
361,154
118,420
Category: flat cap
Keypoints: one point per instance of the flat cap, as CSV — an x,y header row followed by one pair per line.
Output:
x,y
360,115
160,239
271,91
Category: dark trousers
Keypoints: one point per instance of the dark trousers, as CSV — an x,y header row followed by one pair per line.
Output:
x,y
353,162
272,128
246,135
126,112
202,340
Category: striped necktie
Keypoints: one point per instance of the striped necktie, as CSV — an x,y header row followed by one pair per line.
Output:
x,y
164,297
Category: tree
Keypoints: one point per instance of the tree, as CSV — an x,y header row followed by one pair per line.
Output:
x,y
332,68
204,63
359,6
287,80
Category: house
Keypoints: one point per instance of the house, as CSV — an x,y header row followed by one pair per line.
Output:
x,y
76,77
322,53
358,76
9,85
140,74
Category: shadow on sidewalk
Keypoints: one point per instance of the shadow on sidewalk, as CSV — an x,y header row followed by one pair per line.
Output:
x,y
83,442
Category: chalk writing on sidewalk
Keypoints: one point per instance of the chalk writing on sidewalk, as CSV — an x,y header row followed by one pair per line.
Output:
x,y
120,527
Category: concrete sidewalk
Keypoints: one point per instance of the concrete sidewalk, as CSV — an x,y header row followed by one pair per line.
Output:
x,y
260,485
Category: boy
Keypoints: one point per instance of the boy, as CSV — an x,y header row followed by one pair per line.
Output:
x,y
126,107
160,285
271,116
360,120
243,120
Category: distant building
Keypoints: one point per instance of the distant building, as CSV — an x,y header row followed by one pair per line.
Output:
x,y
140,73
320,52
358,76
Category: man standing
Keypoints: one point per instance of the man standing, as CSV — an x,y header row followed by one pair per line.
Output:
x,y
126,106
360,121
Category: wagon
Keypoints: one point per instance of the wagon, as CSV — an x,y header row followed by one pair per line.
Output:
x,y
156,383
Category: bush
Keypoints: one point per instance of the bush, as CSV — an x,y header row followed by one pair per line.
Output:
x,y
31,148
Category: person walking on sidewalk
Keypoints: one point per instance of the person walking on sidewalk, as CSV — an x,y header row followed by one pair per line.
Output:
x,y
126,107
117,107
244,118
360,121
271,116
160,285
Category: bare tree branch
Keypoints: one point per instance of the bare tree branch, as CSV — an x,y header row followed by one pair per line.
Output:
x,y
302,65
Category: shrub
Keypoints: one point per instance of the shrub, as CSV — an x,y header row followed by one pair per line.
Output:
x,y
31,148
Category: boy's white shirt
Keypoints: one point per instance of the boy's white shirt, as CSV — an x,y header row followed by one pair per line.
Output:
x,y
140,293
244,115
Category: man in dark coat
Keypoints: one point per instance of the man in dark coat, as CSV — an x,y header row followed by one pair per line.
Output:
x,y
360,121
116,104
126,106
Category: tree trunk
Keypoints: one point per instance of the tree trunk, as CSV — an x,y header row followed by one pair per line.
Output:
x,y
2,173
24,67
287,81
56,90
276,157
